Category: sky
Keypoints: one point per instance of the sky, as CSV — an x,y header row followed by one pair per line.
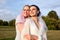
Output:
x,y
9,9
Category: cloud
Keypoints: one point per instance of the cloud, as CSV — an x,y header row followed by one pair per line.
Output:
x,y
9,9
58,11
2,1
45,3
6,14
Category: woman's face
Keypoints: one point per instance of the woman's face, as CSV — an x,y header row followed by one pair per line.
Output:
x,y
26,11
33,11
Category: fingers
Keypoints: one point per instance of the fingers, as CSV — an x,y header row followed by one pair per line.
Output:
x,y
34,37
31,37
27,37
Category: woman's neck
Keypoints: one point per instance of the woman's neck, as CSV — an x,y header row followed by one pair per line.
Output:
x,y
35,18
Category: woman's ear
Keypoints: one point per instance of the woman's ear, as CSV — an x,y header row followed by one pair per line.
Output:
x,y
37,11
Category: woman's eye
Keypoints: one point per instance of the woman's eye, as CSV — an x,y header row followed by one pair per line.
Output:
x,y
28,10
33,9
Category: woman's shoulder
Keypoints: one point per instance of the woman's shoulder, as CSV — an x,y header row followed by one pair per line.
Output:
x,y
27,19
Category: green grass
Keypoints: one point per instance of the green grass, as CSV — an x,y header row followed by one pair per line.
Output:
x,y
7,39
8,33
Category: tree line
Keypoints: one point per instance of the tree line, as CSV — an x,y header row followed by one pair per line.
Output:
x,y
6,23
52,21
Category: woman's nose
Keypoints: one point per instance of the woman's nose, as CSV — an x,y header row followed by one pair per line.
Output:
x,y
30,10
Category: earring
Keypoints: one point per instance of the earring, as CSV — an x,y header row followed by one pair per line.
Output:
x,y
38,12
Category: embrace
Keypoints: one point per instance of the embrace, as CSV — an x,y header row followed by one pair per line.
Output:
x,y
30,25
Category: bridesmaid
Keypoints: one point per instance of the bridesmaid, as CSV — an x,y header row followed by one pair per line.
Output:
x,y
20,20
34,27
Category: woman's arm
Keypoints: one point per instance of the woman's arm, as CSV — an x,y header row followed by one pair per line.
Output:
x,y
20,26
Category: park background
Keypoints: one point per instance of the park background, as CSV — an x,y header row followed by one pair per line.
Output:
x,y
9,9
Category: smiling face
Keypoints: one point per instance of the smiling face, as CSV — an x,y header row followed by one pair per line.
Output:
x,y
33,11
26,11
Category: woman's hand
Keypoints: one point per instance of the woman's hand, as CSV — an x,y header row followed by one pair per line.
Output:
x,y
31,37
27,37
34,37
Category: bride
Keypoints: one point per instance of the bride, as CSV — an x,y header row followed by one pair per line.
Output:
x,y
34,27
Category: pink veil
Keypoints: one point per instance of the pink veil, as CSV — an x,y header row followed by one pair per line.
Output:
x,y
20,18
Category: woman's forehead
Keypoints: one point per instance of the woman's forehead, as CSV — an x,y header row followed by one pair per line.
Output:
x,y
33,7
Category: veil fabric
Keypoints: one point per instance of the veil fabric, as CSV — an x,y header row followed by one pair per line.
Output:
x,y
20,18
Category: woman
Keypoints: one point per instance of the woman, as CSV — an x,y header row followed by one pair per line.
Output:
x,y
20,19
34,27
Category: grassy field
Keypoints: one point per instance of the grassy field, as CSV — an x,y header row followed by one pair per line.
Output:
x,y
8,33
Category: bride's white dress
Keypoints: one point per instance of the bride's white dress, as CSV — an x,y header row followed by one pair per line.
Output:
x,y
31,28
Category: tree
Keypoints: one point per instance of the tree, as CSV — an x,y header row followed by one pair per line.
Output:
x,y
58,24
53,14
12,22
1,22
5,23
51,23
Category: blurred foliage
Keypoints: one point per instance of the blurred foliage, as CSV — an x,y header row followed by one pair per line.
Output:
x,y
52,21
53,14
1,22
12,22
5,23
